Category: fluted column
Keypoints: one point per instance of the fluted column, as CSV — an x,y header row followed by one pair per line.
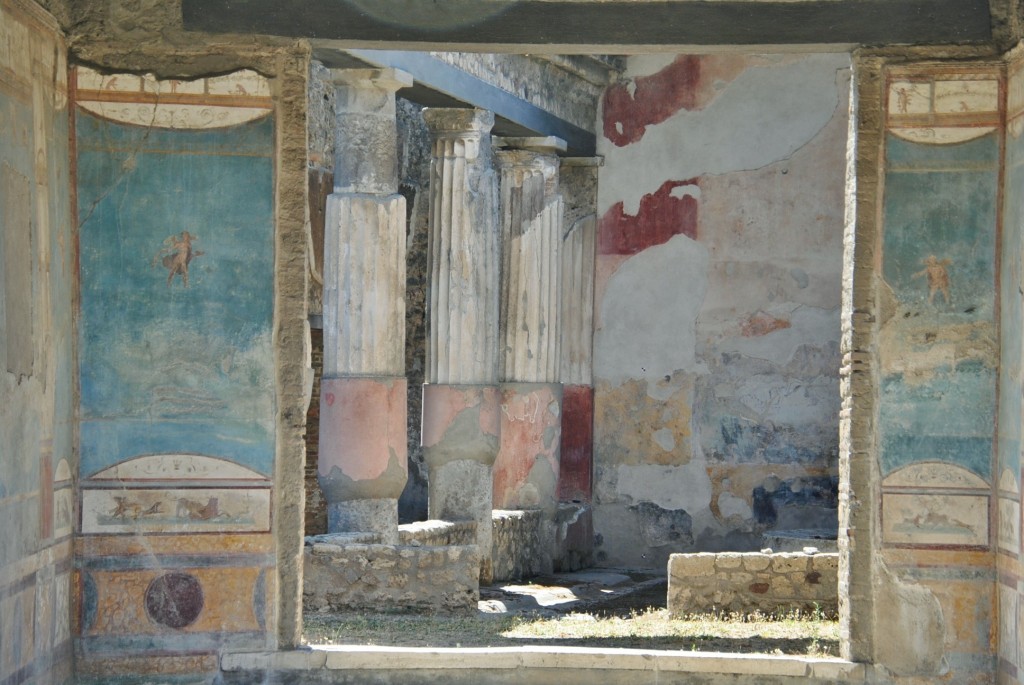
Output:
x,y
574,545
460,398
527,466
531,237
362,463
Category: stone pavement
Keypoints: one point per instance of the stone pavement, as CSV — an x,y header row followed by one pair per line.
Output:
x,y
594,590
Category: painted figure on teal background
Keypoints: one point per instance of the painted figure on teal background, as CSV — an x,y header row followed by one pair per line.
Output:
x,y
176,254
934,269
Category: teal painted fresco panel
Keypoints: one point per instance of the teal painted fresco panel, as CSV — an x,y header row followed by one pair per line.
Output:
x,y
948,418
940,350
940,200
177,283
1012,309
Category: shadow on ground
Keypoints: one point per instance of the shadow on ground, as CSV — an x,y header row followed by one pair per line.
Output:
x,y
603,609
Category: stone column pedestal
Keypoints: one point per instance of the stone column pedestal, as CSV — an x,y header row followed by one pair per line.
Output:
x,y
363,453
460,434
526,469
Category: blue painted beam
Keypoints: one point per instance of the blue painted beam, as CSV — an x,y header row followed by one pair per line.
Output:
x,y
457,86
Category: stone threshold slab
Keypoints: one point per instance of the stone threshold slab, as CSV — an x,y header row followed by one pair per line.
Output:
x,y
643,663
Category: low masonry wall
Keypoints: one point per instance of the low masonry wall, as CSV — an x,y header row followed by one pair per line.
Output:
x,y
752,581
521,544
437,533
361,577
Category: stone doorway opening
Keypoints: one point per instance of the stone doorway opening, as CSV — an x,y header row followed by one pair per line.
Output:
x,y
711,411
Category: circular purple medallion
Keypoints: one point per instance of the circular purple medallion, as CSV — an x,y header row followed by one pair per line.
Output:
x,y
174,599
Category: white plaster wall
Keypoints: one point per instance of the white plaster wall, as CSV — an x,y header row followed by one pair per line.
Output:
x,y
717,340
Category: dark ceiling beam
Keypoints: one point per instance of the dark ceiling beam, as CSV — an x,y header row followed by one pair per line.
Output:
x,y
438,84
606,26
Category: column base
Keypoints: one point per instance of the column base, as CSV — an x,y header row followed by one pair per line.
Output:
x,y
365,516
363,445
460,422
526,469
460,490
461,429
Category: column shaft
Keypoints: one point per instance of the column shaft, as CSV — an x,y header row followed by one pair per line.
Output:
x,y
363,449
460,398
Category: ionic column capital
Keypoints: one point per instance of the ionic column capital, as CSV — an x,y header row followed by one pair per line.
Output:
x,y
365,131
370,79
446,122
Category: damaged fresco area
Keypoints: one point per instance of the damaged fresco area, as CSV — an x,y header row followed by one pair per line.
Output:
x,y
717,304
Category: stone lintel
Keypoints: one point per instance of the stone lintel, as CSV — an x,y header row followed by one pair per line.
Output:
x,y
544,144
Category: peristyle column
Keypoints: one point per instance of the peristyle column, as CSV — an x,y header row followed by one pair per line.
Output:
x,y
575,530
579,183
362,465
527,466
460,429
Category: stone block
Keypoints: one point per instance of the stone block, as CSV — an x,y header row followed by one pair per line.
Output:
x,y
790,562
728,560
756,562
520,547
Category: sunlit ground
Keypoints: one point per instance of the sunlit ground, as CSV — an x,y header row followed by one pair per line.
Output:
x,y
794,633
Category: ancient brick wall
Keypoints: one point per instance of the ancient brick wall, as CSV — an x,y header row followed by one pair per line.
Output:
x,y
520,548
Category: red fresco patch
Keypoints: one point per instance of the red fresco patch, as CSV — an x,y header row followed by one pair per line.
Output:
x,y
663,214
363,427
526,417
656,98
574,480
689,83
762,324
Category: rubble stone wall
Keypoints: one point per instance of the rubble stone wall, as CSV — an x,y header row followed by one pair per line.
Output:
x,y
519,548
752,581
361,577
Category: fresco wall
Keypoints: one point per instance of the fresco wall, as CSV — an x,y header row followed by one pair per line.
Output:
x,y
177,435
938,351
717,302
37,459
1011,334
